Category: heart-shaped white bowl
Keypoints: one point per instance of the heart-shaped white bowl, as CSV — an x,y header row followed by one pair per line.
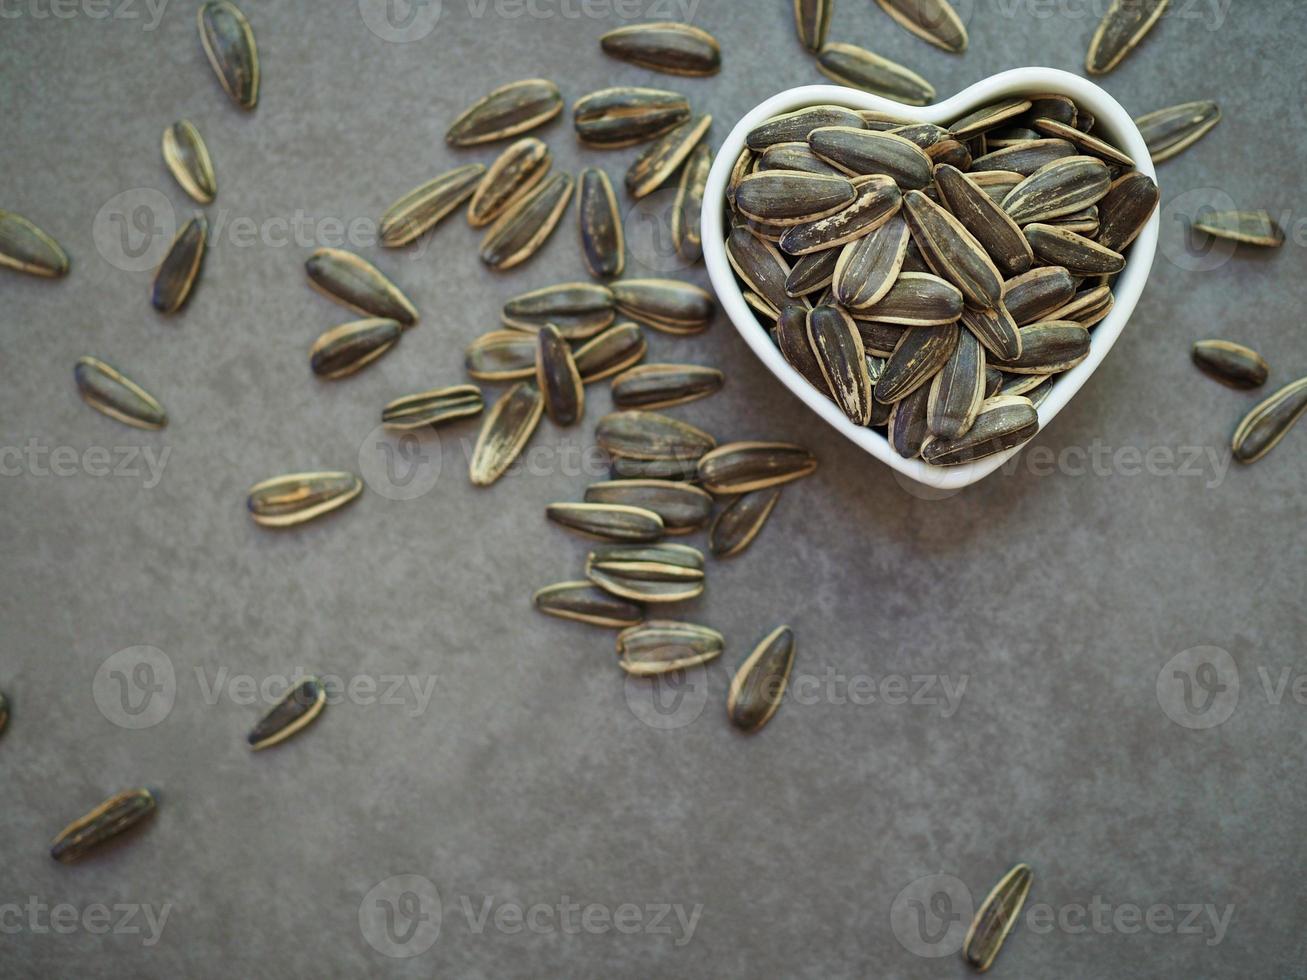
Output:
x,y
1112,121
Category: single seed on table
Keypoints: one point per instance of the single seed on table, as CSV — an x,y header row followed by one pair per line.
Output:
x,y
665,304
997,914
1263,428
1079,255
989,117
647,573
988,223
422,208
860,68
354,282
683,507
868,267
611,352
432,408
791,336
739,522
917,299
680,470
957,390
920,353
507,429
813,271
1032,296
1170,131
759,684
513,175
687,236
663,385
1232,364
26,248
795,126
229,45
111,393
1004,422
740,467
996,330
579,309
622,116
838,348
187,158
908,425
114,816
1244,227
677,49
501,355
180,268
285,501
878,200
649,435
759,265
507,111
1088,307
607,522
812,21
792,197
655,166
1061,188
345,349
934,21
1025,158
1049,347
661,646
584,602
865,151
301,705
1121,29
603,244
521,230
1123,212
952,251
557,377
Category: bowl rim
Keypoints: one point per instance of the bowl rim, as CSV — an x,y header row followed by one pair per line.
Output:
x,y
1110,117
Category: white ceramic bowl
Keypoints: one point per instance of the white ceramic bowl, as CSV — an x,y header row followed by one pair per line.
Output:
x,y
1113,122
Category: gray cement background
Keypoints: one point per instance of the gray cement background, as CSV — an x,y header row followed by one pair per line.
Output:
x,y
535,774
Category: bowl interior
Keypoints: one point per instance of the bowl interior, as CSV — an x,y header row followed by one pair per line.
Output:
x,y
1112,121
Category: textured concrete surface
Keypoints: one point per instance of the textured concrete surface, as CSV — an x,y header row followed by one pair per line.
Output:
x,y
982,679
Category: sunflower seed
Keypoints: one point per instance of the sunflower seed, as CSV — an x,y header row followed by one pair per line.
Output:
x,y
791,336
989,117
288,500
950,152
624,116
996,917
994,381
864,151
521,230
1126,208
957,390
798,125
684,508
501,355
1061,188
878,200
507,111
1003,422
514,174
868,268
1170,131
187,159
26,248
917,299
1084,222
557,377
687,237
812,20
997,184
507,429
795,156
180,268
608,522
433,408
1025,158
908,426
422,208
759,265
743,166
859,68
109,392
603,245
114,816
998,139
1021,384
343,350
648,435
925,135
812,272
1123,26
1085,120
1039,394
741,467
952,252
740,521
988,223
1088,307
647,573
301,705
354,282
1032,296
1232,364
229,44
680,470
4,712
1263,427
920,353
1244,227
579,309
1079,255
663,385
879,339
759,685
791,197
612,352
661,646
585,603
665,304
838,348
677,49
1053,106
1049,347
652,168
1083,142
996,330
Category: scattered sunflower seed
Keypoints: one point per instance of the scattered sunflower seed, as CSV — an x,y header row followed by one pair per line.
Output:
x,y
997,914
521,230
422,208
626,468
583,602
611,352
603,245
514,174
4,712
860,68
741,467
665,304
507,429
664,385
557,377
1170,131
1122,28
579,309
114,816
624,116
432,408
1263,427
934,21
288,500
507,111
229,44
501,355
687,238
180,268
301,705
759,684
812,21
343,350
111,393
1232,364
354,282
683,507
26,248
647,573
187,159
655,166
1244,227
661,646
739,522
608,522
677,49
648,435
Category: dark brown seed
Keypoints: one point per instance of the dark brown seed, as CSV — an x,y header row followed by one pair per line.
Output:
x,y
864,151
1079,255
1123,212
989,117
507,111
838,348
791,336
1032,296
740,521
860,68
358,284
1244,227
908,427
953,252
958,389
579,309
677,49
1122,27
613,351
934,21
343,350
1263,427
1084,222
1053,106
1004,422
647,573
513,175
996,330
655,166
648,435
665,304
878,200
996,184
795,156
868,267
812,271
1061,188
26,248
1083,142
687,237
950,152
557,377
917,299
1172,130
297,709
501,355
993,381
1048,348
507,429
796,126
1088,307
229,45
878,338
608,522
111,393
925,135
791,197
1232,364
624,116
603,245
661,646
521,230
996,917
583,602
664,385
759,684
683,507
986,220
920,353
1025,158
114,816
187,158
422,208
433,408
4,712
741,467
625,468
760,266
743,166
812,20
285,501
180,268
